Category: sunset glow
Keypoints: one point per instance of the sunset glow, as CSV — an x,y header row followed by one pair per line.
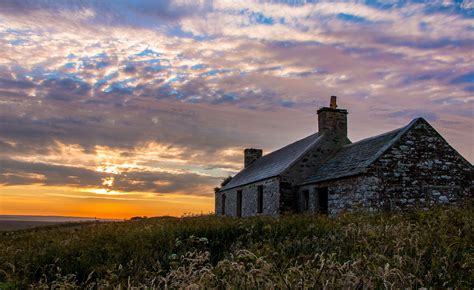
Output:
x,y
116,109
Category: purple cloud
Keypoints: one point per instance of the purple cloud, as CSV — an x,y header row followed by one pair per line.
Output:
x,y
210,78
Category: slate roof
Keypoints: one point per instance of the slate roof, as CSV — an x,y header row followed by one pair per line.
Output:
x,y
354,158
273,164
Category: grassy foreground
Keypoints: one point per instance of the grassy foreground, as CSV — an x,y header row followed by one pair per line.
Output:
x,y
391,250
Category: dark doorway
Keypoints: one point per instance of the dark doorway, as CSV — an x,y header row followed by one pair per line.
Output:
x,y
260,199
323,199
305,200
223,204
239,203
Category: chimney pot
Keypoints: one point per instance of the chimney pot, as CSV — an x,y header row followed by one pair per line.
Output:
x,y
332,120
333,104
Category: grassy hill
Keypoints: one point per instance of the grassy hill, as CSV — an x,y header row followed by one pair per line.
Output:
x,y
390,250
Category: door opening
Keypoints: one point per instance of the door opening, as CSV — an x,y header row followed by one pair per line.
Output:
x,y
305,200
323,199
223,204
239,203
260,199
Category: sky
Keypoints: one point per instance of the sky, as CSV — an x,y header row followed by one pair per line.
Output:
x,y
116,109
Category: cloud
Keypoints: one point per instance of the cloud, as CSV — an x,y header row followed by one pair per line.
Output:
x,y
142,12
169,92
20,173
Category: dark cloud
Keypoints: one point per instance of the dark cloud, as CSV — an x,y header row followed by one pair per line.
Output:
x,y
164,182
424,43
6,148
141,13
14,172
469,89
15,84
438,76
65,89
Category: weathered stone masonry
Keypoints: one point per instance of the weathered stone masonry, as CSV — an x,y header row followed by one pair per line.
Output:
x,y
422,170
419,171
271,199
303,168
411,167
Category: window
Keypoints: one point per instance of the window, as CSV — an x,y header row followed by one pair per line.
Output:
x,y
223,204
305,200
260,199
322,199
239,203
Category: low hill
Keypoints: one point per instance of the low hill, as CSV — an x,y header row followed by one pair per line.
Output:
x,y
358,250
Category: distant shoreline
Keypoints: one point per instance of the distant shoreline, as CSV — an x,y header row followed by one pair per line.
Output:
x,y
51,218
21,222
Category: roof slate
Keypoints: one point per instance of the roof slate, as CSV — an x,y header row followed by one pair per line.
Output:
x,y
272,164
351,159
354,158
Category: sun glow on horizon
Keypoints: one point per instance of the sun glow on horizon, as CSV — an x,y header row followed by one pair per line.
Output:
x,y
98,202
105,191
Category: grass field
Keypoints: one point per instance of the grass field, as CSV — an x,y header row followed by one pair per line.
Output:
x,y
390,250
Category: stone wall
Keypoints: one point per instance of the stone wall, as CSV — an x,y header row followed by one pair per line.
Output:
x,y
356,192
419,171
305,167
271,199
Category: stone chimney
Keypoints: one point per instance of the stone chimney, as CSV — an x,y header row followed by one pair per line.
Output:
x,y
332,120
250,155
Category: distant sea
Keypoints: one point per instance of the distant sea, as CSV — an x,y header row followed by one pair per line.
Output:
x,y
50,218
19,222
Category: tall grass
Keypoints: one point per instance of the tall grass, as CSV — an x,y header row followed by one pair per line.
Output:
x,y
389,250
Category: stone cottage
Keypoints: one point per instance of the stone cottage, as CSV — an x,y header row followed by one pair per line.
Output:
x,y
409,167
